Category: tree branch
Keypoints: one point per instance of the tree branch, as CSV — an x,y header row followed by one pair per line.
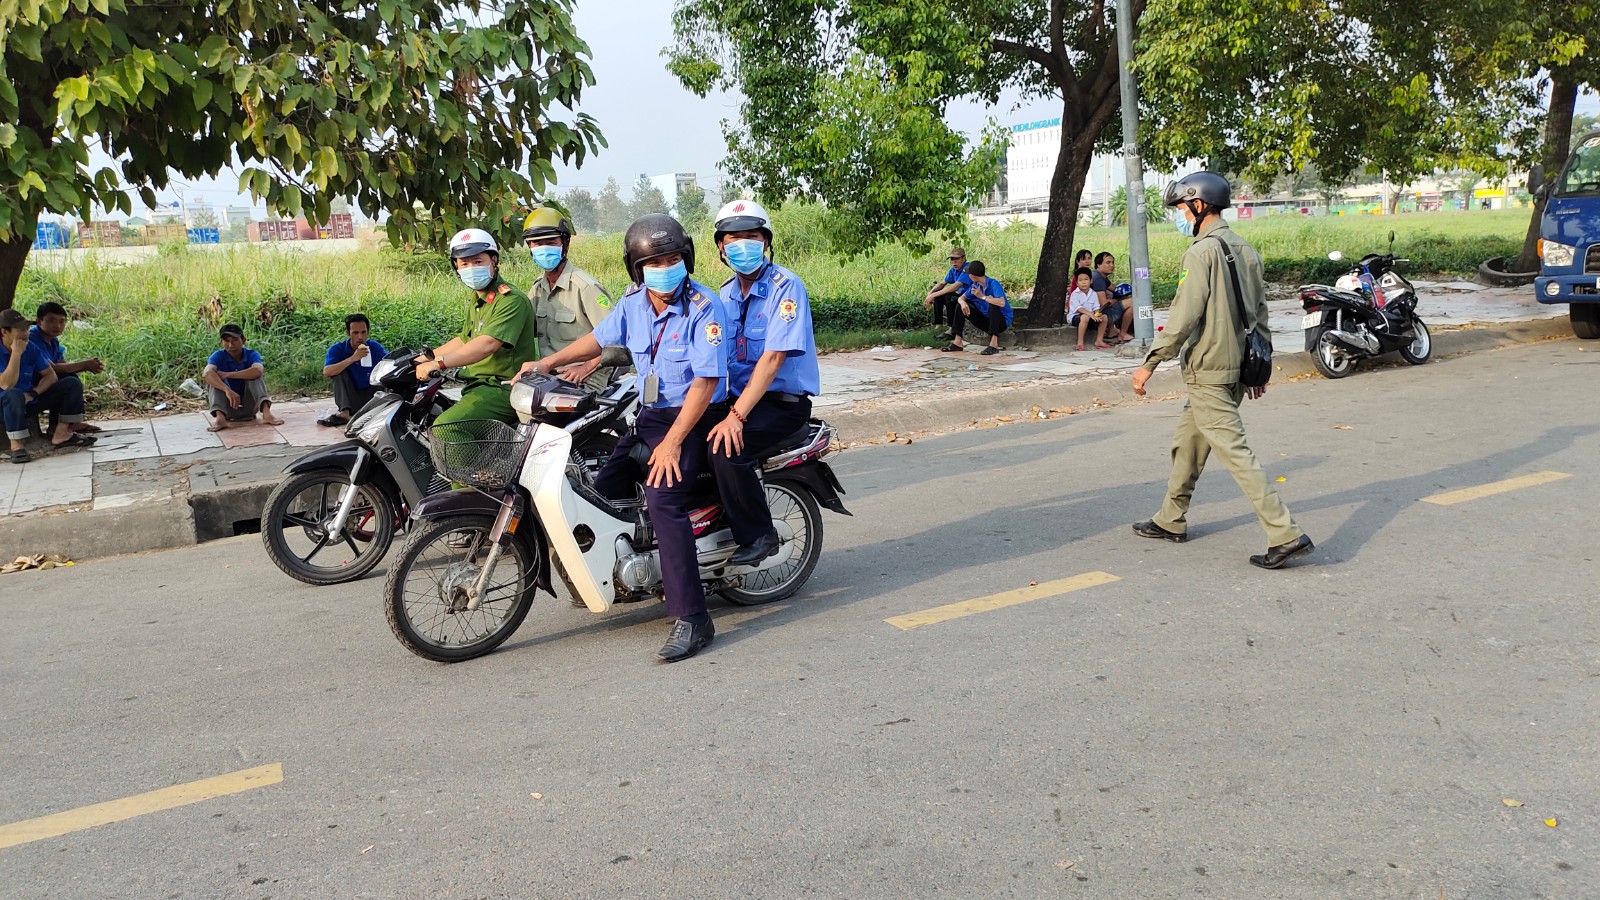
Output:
x,y
1051,64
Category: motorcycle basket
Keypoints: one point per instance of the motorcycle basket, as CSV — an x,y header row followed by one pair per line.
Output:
x,y
480,453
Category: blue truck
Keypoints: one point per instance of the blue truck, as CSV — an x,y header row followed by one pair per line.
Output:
x,y
1569,236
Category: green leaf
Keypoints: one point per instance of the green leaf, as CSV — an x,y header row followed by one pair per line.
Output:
x,y
202,94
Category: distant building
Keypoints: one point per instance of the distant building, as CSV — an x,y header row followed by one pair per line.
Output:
x,y
672,183
235,215
1031,157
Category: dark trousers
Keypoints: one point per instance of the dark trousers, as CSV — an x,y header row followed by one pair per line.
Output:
x,y
63,400
744,500
991,323
348,396
669,506
945,310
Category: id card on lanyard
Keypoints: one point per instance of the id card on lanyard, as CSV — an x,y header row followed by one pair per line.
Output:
x,y
652,382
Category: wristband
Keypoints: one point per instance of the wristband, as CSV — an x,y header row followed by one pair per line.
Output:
x,y
734,411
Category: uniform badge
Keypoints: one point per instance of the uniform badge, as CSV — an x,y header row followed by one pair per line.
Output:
x,y
505,288
788,309
713,333
604,302
1181,276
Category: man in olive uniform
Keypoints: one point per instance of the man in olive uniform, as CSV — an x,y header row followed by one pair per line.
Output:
x,y
567,302
495,340
1203,330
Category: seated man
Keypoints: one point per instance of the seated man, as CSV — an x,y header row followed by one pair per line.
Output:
x,y
1119,316
985,307
942,298
46,336
243,393
349,366
28,386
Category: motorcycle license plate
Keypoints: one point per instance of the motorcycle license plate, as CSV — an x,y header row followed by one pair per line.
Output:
x,y
1312,320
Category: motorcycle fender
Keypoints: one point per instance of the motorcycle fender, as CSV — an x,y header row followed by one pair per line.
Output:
x,y
342,456
1313,335
818,478
465,501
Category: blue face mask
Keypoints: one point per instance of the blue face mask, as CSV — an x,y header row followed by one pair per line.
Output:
x,y
547,258
665,279
746,256
475,277
1185,227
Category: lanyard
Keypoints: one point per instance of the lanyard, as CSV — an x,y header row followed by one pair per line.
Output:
x,y
657,343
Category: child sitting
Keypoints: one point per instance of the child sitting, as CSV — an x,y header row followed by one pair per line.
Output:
x,y
1083,307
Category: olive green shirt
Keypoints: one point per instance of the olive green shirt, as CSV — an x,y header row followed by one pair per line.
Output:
x,y
504,313
568,310
1211,354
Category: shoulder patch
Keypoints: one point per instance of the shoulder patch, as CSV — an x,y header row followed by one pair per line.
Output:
x,y
605,300
788,309
713,333
701,299
505,288
1182,275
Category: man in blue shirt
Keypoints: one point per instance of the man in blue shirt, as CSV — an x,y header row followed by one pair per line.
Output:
x,y
235,374
29,386
944,295
772,372
349,366
984,306
46,336
1118,314
674,328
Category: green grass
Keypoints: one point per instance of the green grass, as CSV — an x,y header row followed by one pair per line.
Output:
x,y
154,322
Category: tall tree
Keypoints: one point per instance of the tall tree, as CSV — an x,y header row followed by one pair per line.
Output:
x,y
582,208
691,208
647,199
613,212
439,113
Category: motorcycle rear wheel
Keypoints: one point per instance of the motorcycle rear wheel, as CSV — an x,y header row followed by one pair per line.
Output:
x,y
303,506
1329,358
1421,346
795,507
425,598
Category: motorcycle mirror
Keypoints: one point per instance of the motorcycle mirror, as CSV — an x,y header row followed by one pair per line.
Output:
x,y
615,357
1391,240
1336,256
1536,180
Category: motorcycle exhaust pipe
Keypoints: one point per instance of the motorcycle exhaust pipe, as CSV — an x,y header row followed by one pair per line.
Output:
x,y
1360,342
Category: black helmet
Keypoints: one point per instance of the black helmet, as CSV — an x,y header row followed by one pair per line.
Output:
x,y
1207,187
654,236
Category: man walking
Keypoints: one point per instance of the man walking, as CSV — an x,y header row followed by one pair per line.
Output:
x,y
1203,330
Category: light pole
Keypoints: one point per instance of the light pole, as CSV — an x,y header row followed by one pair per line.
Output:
x,y
1144,322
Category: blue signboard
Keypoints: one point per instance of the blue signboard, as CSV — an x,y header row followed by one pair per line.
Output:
x,y
205,236
50,236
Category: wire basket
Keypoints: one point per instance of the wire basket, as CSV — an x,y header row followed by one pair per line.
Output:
x,y
481,453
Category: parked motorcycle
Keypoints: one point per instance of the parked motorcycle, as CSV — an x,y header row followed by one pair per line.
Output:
x,y
336,515
475,558
1369,311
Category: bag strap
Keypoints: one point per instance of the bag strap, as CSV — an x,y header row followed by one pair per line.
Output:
x,y
1238,292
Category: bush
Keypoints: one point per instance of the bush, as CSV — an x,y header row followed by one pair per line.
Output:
x,y
852,314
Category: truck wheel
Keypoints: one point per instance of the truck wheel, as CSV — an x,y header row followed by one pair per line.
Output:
x,y
1585,318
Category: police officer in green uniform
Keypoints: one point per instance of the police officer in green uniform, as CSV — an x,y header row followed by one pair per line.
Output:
x,y
1204,332
495,340
567,302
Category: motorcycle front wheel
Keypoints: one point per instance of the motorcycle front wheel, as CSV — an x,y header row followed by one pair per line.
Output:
x,y
296,520
1330,359
799,522
429,589
1421,346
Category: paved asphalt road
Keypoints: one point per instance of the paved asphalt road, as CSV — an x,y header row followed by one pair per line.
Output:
x,y
1351,727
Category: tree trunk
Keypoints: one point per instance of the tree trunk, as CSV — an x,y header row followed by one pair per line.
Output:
x,y
13,253
1054,275
1557,143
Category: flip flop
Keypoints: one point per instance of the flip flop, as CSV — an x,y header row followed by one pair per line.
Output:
x,y
73,442
19,456
989,351
87,429
953,349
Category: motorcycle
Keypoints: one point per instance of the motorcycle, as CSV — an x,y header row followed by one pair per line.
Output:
x,y
353,495
476,557
1370,310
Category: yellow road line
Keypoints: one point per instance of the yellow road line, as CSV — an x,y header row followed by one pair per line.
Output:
x,y
128,807
1450,498
1001,600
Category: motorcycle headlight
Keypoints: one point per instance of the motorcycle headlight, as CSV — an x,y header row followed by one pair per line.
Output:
x,y
370,424
1555,254
522,393
382,369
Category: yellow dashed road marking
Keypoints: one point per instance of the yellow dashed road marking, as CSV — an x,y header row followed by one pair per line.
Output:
x,y
1451,498
1001,600
128,807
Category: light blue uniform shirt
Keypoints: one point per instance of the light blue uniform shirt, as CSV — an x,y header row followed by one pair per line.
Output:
x,y
687,341
774,316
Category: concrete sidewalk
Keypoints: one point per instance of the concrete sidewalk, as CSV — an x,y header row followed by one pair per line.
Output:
x,y
166,481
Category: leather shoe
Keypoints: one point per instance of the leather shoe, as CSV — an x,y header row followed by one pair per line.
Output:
x,y
687,639
1152,530
764,547
1277,556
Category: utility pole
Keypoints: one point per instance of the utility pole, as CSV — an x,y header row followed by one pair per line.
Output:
x,y
1144,322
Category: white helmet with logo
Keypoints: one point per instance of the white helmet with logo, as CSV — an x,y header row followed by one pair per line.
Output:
x,y
471,242
742,215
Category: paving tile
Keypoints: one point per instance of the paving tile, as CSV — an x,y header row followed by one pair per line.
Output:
x,y
252,435
118,501
10,479
133,439
301,434
184,433
40,493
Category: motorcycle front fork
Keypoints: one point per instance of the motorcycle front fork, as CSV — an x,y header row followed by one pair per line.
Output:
x,y
505,526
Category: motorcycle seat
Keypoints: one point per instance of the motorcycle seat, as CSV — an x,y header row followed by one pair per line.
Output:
x,y
795,441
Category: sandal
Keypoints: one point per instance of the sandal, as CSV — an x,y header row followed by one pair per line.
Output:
x,y
20,456
73,442
952,348
86,428
989,351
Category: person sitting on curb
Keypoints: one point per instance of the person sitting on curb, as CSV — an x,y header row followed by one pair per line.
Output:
x,y
46,336
943,297
1119,316
984,306
29,386
1083,308
349,366
243,393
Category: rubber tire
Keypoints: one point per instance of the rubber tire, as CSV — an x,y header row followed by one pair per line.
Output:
x,y
278,548
813,516
1322,366
1405,352
1585,319
420,539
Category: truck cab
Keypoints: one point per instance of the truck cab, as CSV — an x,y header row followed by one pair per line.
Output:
x,y
1569,236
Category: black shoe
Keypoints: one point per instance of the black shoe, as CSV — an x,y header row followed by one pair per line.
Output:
x,y
1152,530
948,336
765,546
1277,556
687,639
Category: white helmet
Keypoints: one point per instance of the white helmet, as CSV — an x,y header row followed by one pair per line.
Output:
x,y
742,215
471,242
